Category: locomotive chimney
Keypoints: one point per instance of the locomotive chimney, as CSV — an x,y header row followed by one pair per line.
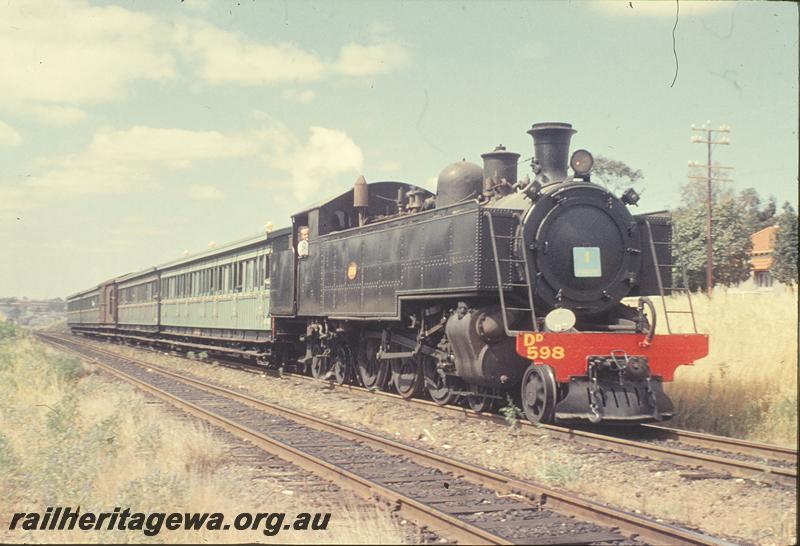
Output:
x,y
551,150
499,166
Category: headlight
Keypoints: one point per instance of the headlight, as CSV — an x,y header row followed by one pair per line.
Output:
x,y
581,162
559,320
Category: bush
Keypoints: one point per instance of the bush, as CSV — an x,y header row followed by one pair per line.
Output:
x,y
7,330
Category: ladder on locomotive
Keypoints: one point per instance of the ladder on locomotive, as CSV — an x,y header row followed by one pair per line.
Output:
x,y
501,286
671,289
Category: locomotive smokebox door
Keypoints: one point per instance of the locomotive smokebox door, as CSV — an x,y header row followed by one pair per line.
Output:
x,y
581,248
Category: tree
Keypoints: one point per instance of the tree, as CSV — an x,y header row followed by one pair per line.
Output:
x,y
731,238
731,243
785,268
689,246
616,175
758,215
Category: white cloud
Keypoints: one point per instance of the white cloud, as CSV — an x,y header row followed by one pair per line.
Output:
x,y
129,160
227,57
304,96
230,58
204,192
8,135
365,60
136,159
174,147
312,164
72,53
60,58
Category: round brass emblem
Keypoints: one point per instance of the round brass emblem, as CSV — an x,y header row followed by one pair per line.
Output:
x,y
352,271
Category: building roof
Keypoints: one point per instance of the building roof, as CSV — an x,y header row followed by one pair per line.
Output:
x,y
764,240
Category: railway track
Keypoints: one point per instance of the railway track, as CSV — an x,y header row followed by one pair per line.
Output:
x,y
455,499
726,457
717,456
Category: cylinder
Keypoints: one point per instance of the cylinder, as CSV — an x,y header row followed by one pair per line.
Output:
x,y
551,150
484,354
499,166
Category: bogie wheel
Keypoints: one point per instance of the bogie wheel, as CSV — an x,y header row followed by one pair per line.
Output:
x,y
538,393
374,373
481,400
320,366
341,366
439,385
407,376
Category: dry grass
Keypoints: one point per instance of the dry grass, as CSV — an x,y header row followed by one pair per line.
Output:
x,y
747,386
69,437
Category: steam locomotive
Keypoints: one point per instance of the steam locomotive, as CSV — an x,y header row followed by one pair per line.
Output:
x,y
492,290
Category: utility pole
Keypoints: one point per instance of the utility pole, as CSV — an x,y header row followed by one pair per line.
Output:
x,y
708,140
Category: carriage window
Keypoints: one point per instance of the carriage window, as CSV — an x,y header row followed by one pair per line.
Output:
x,y
238,273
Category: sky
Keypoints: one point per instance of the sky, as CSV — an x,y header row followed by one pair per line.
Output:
x,y
134,132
